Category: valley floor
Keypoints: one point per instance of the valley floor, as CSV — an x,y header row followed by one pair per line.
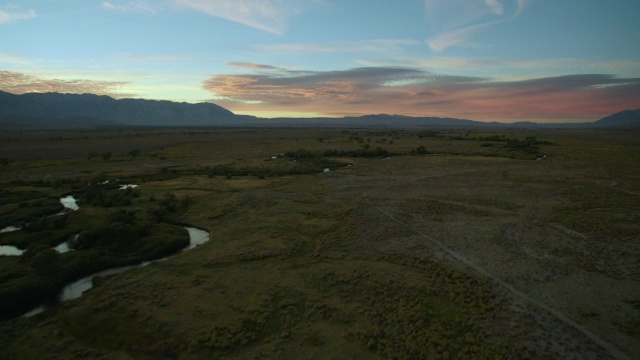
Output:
x,y
467,250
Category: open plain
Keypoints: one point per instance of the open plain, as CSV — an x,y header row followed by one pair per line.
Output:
x,y
343,243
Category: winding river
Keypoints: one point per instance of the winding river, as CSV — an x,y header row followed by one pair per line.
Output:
x,y
76,288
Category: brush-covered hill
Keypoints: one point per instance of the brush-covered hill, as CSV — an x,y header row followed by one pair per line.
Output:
x,y
58,108
627,118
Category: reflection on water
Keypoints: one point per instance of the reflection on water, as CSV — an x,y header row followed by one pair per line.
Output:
x,y
128,186
69,202
62,248
75,289
9,229
197,237
8,250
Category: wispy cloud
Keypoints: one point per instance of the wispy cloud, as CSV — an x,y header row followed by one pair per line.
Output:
x,y
456,37
11,16
139,7
521,4
495,6
497,65
454,22
10,58
371,46
420,93
253,66
150,57
272,16
268,15
20,83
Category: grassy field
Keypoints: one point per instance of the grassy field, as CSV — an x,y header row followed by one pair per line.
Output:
x,y
413,244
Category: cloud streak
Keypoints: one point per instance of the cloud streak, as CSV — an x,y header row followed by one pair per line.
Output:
x,y
502,65
495,6
272,16
135,7
410,91
150,57
20,83
9,58
367,46
9,16
267,15
454,22
253,66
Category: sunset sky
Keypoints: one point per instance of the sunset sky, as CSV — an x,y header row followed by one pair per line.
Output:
x,y
489,60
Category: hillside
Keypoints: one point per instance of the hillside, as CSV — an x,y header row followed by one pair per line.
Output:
x,y
56,110
627,118
133,112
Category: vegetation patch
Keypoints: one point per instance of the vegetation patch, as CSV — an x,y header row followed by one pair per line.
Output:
x,y
108,231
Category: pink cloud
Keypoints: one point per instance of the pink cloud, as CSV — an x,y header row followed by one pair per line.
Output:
x,y
418,93
19,83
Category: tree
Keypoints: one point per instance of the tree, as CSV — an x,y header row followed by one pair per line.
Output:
x,y
106,156
420,150
134,153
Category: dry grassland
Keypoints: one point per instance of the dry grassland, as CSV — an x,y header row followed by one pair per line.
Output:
x,y
469,251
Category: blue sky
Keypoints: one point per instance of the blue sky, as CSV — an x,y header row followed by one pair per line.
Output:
x,y
502,60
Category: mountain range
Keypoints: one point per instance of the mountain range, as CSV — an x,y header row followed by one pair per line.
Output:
x,y
56,110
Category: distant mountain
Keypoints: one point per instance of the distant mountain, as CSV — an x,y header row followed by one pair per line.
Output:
x,y
401,121
627,118
133,112
379,120
55,110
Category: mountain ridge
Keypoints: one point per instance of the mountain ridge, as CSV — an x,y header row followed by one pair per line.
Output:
x,y
64,110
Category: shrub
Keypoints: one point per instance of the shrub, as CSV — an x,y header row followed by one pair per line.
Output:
x,y
420,150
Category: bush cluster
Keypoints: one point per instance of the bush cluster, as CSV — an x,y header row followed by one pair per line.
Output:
x,y
364,152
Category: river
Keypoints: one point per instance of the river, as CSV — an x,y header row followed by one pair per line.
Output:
x,y
70,204
75,289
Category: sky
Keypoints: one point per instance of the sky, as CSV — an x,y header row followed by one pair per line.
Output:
x,y
486,60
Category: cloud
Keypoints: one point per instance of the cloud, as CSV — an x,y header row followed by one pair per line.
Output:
x,y
521,4
559,66
253,66
410,91
150,57
7,16
495,6
454,22
7,57
373,46
20,83
446,40
268,15
135,7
